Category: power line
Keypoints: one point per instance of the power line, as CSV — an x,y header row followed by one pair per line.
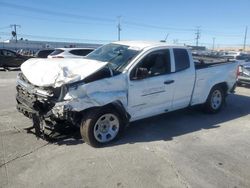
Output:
x,y
141,27
63,39
76,16
5,27
57,38
112,21
59,20
37,10
212,32
156,26
101,19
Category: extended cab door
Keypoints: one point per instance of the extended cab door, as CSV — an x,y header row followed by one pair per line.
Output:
x,y
184,76
151,85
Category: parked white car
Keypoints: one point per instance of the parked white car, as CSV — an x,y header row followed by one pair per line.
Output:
x,y
119,83
232,55
70,52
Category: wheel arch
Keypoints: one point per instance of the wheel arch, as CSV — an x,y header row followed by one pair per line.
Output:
x,y
209,106
223,85
117,105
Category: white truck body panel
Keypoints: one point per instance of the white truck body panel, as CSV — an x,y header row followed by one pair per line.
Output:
x,y
208,77
98,93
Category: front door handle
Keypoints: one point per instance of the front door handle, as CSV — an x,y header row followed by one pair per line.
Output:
x,y
169,82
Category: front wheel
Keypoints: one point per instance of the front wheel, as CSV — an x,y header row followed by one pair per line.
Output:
x,y
101,126
215,100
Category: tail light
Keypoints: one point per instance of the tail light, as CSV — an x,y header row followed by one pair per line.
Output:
x,y
239,70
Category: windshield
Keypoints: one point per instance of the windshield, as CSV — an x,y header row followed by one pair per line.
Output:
x,y
117,55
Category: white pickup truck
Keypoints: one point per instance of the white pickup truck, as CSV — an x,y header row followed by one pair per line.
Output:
x,y
119,83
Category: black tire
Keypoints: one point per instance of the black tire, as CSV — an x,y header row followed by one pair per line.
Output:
x,y
214,107
239,84
89,121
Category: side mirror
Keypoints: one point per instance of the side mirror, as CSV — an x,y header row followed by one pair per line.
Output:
x,y
140,73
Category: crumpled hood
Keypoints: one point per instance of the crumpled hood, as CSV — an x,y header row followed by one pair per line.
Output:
x,y
56,72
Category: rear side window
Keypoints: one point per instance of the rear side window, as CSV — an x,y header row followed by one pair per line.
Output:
x,y
181,59
56,52
8,53
44,53
83,52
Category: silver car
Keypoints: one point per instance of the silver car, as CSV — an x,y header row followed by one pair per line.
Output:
x,y
244,73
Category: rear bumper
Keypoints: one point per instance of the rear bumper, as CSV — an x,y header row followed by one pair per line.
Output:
x,y
243,80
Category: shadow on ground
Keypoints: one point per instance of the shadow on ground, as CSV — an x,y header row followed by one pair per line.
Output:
x,y
61,134
245,86
165,127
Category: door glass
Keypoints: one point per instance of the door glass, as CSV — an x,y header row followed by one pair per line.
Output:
x,y
156,63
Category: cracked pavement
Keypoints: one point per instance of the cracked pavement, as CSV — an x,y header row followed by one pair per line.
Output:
x,y
180,149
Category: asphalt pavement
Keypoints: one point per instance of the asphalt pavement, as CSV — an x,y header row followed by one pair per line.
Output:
x,y
186,148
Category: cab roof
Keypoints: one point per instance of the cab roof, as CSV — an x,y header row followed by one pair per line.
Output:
x,y
139,45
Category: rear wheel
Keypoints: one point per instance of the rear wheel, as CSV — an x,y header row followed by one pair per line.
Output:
x,y
102,126
215,100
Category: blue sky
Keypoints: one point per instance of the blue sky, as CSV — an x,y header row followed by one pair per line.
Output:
x,y
96,20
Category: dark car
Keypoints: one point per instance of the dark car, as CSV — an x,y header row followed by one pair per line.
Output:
x,y
10,59
43,53
244,57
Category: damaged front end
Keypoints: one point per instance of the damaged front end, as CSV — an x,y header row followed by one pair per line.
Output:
x,y
56,90
37,103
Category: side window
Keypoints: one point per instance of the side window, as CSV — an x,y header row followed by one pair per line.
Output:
x,y
154,64
81,52
57,51
181,59
44,53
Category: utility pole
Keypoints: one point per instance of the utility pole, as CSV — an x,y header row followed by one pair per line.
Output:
x,y
213,42
15,32
198,35
245,39
119,28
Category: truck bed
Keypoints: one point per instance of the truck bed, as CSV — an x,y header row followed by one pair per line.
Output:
x,y
202,62
209,73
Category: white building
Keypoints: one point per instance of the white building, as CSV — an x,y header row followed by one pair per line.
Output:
x,y
37,45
